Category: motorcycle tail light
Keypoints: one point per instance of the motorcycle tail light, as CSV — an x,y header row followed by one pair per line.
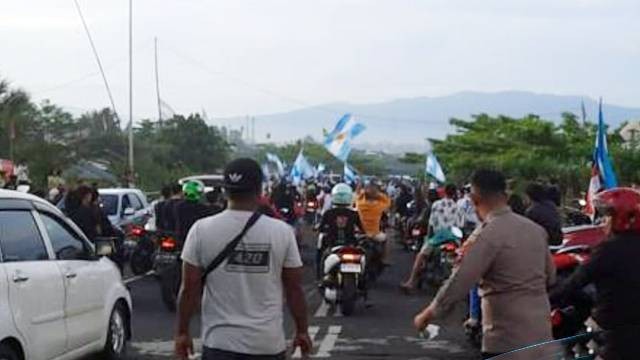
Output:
x,y
449,247
137,231
556,318
311,204
168,244
416,232
352,258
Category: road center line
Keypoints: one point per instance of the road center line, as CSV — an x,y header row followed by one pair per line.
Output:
x,y
136,278
323,309
329,342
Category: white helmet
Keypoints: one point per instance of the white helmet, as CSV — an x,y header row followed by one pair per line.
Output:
x,y
342,194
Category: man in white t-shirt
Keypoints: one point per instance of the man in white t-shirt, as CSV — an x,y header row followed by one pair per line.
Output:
x,y
242,301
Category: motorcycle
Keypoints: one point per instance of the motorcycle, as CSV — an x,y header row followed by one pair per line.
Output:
x,y
442,257
415,237
168,269
311,211
143,252
290,216
345,277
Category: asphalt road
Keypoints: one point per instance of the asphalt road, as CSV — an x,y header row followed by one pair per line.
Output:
x,y
381,330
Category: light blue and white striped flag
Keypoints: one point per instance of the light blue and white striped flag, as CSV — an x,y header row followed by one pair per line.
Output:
x,y
350,175
301,169
338,141
276,160
434,169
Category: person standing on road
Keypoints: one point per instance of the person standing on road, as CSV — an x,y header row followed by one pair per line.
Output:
x,y
508,256
542,210
242,301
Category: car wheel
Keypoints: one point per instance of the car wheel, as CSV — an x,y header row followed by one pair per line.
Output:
x,y
7,353
116,345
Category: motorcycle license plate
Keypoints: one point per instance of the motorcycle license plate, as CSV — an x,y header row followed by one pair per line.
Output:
x,y
350,268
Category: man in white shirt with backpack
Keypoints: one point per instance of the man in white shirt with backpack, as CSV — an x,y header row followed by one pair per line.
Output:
x,y
240,262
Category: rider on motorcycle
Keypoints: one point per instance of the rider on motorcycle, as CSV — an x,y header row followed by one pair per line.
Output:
x,y
191,209
614,270
371,205
340,223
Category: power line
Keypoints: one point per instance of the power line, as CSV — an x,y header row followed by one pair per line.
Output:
x,y
95,54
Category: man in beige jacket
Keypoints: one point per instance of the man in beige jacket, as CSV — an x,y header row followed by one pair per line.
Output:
x,y
508,257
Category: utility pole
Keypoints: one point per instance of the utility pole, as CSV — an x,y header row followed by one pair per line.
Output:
x,y
155,40
253,130
131,167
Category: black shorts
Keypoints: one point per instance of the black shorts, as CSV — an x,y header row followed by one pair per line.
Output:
x,y
216,354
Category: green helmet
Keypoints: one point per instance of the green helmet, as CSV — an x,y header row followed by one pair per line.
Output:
x,y
193,190
342,194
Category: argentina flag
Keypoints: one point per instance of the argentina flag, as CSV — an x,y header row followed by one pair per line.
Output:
x,y
350,175
338,141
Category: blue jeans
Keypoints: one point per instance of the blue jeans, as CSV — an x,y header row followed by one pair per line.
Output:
x,y
475,310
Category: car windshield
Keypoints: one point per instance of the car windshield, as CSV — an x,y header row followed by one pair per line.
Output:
x,y
109,204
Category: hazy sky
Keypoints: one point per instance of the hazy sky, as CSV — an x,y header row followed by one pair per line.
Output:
x,y
236,57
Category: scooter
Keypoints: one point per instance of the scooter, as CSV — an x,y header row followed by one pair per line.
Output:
x,y
168,269
415,237
345,277
442,257
311,211
144,250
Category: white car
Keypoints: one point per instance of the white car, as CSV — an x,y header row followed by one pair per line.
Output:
x,y
124,206
58,298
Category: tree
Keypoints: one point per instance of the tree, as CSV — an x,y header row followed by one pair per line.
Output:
x,y
529,148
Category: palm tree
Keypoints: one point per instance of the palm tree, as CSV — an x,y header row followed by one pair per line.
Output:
x,y
13,104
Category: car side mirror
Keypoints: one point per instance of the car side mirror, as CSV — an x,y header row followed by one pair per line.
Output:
x,y
128,212
104,246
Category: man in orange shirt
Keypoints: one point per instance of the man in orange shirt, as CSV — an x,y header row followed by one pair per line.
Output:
x,y
371,204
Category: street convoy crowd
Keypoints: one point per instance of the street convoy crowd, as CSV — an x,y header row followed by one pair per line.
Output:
x,y
240,261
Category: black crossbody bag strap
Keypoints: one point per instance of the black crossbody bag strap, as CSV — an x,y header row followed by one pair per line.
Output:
x,y
230,246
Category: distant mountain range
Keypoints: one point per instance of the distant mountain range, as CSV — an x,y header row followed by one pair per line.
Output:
x,y
405,123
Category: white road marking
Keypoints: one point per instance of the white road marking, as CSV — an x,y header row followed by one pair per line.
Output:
x,y
433,331
136,278
329,342
323,309
313,331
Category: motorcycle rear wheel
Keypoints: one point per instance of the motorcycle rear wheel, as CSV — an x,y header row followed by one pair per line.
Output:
x,y
169,287
141,261
349,294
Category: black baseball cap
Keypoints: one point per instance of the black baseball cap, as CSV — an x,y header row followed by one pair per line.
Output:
x,y
243,175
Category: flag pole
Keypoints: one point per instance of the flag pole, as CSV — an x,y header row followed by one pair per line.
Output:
x,y
130,180
155,47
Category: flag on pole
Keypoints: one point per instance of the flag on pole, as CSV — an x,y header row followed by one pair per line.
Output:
x,y
602,174
338,141
265,171
350,175
301,169
584,112
434,169
276,160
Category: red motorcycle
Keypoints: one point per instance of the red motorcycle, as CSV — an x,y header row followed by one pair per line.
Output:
x,y
568,317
